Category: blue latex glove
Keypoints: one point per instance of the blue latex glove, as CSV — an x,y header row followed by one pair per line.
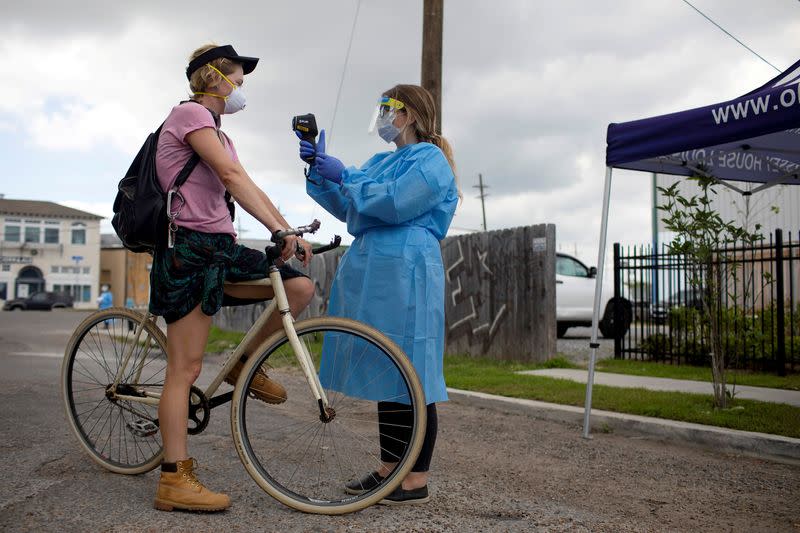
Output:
x,y
306,148
326,165
329,167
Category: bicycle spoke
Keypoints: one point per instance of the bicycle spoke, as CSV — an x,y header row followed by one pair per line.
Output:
x,y
115,432
305,460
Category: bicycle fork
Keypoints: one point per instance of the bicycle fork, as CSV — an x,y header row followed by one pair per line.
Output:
x,y
303,357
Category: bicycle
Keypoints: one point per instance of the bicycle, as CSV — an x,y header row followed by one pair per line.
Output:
x,y
303,451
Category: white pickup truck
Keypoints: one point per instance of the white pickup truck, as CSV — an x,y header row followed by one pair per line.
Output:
x,y
575,298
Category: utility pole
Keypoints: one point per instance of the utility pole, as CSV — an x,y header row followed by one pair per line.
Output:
x,y
482,195
432,22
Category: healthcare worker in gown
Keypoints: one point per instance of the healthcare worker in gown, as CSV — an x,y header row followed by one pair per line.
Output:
x,y
398,206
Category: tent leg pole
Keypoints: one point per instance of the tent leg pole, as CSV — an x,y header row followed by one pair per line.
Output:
x,y
598,288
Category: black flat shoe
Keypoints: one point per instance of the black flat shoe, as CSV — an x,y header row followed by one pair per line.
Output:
x,y
367,483
400,496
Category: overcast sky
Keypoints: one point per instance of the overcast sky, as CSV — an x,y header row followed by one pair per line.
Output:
x,y
529,88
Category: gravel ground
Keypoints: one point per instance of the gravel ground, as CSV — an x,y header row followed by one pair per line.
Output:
x,y
493,470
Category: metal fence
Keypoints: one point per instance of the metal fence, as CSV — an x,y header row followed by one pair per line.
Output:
x,y
758,305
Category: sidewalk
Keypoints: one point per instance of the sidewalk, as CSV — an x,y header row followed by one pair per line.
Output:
x,y
666,384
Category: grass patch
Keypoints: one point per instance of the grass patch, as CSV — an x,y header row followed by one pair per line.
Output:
x,y
695,373
498,377
468,364
221,340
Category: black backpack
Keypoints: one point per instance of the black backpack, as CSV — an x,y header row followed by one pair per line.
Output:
x,y
140,208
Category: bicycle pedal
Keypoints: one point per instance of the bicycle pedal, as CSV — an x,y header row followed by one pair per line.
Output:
x,y
142,428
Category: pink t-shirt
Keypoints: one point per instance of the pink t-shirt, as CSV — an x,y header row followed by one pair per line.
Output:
x,y
206,209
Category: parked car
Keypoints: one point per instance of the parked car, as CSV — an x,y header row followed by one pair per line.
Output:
x,y
44,301
692,297
575,284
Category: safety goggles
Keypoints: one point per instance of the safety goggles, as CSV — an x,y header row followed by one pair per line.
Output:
x,y
385,111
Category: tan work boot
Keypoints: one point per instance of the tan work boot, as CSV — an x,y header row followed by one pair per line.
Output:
x,y
262,387
182,490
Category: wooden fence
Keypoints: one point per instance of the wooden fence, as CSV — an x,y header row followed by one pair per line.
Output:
x,y
500,298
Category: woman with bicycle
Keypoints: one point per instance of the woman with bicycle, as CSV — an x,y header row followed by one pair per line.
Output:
x,y
188,274
398,206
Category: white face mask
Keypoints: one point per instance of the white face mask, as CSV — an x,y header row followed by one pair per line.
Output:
x,y
386,128
235,101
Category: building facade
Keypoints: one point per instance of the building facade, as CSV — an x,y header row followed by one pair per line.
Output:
x,y
46,246
127,273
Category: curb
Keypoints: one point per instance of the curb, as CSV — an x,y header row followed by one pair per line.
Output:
x,y
719,439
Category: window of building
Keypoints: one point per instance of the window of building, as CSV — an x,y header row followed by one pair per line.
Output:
x,y
51,235
6,268
33,233
11,233
54,270
78,233
3,290
86,270
79,293
57,288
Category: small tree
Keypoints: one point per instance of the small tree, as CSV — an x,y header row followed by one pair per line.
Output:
x,y
701,237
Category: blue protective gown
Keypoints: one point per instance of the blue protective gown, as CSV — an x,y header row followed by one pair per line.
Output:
x,y
398,206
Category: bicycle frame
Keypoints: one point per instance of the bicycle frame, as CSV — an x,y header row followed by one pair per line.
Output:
x,y
279,302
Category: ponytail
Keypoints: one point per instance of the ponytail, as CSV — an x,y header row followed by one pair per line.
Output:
x,y
439,141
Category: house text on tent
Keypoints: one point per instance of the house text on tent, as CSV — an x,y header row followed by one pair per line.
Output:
x,y
738,160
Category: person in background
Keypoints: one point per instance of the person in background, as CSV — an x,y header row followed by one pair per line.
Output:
x,y
105,300
398,206
188,274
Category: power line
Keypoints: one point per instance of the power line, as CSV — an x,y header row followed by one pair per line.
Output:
x,y
344,71
731,36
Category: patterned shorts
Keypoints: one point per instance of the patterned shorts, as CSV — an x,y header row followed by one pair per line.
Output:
x,y
194,271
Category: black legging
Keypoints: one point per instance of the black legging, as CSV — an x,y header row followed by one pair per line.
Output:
x,y
394,424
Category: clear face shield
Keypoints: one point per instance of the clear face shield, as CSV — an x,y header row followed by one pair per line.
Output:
x,y
385,112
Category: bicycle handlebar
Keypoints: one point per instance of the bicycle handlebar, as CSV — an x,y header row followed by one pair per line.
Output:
x,y
335,242
274,252
278,236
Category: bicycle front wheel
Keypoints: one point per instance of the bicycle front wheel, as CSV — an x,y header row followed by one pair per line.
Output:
x,y
306,456
119,434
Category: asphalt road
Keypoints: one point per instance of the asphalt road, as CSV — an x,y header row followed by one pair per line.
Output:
x,y
494,470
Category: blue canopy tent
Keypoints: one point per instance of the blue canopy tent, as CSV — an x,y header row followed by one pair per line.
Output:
x,y
753,138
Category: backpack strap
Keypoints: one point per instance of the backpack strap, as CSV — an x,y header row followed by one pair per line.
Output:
x,y
187,169
227,196
172,214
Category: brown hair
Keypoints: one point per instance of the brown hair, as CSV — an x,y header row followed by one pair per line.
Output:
x,y
419,105
206,77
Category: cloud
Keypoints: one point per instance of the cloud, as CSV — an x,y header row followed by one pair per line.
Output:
x,y
528,89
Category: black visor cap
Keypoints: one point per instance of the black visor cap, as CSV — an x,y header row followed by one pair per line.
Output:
x,y
227,51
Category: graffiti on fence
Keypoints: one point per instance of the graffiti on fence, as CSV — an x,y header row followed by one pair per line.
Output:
x,y
469,315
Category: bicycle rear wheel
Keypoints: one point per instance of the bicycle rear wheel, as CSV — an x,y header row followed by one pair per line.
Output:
x,y
304,458
120,435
